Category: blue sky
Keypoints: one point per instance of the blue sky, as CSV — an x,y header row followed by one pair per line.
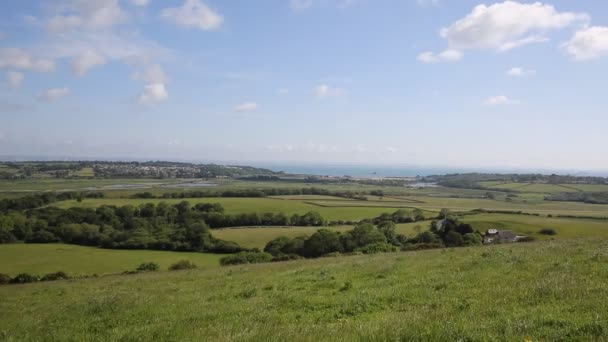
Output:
x,y
401,82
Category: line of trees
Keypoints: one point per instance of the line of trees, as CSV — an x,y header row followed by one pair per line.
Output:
x,y
179,227
369,238
39,200
360,195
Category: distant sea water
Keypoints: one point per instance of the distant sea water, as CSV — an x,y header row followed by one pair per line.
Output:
x,y
360,171
370,171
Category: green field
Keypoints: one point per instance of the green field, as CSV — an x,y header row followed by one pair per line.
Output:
x,y
59,184
251,237
78,260
545,291
337,209
521,224
544,188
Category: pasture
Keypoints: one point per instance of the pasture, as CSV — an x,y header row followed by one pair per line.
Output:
x,y
551,290
351,210
41,259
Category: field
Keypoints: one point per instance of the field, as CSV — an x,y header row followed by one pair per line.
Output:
x,y
340,209
78,260
544,188
539,291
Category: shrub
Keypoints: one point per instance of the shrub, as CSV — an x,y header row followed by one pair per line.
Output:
x,y
4,279
246,258
377,248
148,267
226,247
421,246
182,265
526,239
55,276
24,278
287,257
547,231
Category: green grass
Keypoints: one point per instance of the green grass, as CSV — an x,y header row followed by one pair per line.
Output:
x,y
257,205
530,225
551,290
544,188
51,184
251,237
85,172
78,260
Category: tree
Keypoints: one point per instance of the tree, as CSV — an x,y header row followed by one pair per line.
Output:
x,y
322,242
388,229
366,234
277,245
453,239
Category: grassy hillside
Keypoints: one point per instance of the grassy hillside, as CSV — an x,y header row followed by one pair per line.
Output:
x,y
77,260
551,290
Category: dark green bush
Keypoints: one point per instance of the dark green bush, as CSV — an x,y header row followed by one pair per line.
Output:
x,y
182,265
4,279
55,276
547,231
421,246
377,248
287,257
24,278
148,267
526,239
246,258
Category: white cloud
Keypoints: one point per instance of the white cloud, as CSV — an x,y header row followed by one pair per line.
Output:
x,y
90,14
520,72
428,2
87,60
155,89
246,107
505,26
14,79
445,56
324,91
508,24
153,93
499,101
301,4
282,91
194,13
152,73
589,43
19,59
140,2
53,94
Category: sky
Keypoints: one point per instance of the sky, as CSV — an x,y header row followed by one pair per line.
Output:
x,y
463,83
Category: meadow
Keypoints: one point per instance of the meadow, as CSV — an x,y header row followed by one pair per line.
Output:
x,y
544,188
40,259
550,290
347,209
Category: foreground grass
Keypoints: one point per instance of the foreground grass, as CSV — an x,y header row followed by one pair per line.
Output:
x,y
41,259
551,290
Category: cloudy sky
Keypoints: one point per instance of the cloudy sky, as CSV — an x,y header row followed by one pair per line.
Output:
x,y
418,82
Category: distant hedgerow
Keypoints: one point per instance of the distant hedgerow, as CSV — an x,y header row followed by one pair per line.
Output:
x,y
182,265
24,278
547,231
246,258
148,267
55,276
4,279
